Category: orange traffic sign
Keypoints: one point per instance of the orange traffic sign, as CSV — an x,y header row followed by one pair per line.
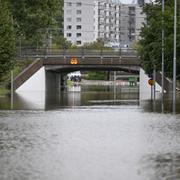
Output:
x,y
74,61
151,82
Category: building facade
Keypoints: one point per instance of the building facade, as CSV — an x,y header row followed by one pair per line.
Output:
x,y
80,21
112,21
142,2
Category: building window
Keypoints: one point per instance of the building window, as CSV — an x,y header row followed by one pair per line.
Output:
x,y
69,19
69,27
68,11
78,19
78,27
78,42
78,4
78,34
78,12
69,4
69,34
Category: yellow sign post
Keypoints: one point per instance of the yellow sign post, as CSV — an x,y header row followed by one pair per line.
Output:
x,y
74,61
151,82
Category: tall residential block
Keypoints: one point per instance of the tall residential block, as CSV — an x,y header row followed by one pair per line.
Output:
x,y
112,21
142,2
80,21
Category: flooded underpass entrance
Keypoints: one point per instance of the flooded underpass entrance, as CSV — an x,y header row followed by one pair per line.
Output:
x,y
88,132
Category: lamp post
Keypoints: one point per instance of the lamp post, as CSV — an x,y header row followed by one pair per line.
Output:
x,y
162,56
12,89
174,59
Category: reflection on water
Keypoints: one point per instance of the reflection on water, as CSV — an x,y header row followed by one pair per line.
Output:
x,y
73,96
88,95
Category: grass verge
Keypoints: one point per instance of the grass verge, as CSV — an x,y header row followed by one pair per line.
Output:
x,y
4,91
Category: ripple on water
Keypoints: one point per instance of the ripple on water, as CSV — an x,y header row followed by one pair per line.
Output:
x,y
89,143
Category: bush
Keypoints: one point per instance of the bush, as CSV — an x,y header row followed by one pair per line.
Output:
x,y
95,75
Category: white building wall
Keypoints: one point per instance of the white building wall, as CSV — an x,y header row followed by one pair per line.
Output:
x,y
140,19
88,21
109,20
96,28
80,13
124,24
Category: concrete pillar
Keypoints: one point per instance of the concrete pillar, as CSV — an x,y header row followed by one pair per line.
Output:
x,y
35,83
144,87
53,82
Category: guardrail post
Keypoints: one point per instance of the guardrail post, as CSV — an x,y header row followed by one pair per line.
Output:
x,y
101,53
20,50
64,52
12,89
82,53
119,52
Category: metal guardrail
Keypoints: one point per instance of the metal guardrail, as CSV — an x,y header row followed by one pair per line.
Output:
x,y
81,52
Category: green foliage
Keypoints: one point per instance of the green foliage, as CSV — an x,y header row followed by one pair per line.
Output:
x,y
150,44
61,42
34,19
3,91
28,22
7,40
98,44
18,66
97,75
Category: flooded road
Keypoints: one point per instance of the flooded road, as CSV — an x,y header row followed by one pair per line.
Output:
x,y
98,133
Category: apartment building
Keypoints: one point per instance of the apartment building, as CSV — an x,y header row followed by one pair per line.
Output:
x,y
87,20
80,21
142,2
140,19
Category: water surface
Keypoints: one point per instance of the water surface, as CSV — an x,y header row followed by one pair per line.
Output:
x,y
98,133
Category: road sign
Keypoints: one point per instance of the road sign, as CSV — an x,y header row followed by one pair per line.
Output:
x,y
74,61
151,82
132,81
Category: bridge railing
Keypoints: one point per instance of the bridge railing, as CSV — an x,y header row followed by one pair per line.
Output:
x,y
80,52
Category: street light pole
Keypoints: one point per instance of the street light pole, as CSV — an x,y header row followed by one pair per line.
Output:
x,y
162,65
174,59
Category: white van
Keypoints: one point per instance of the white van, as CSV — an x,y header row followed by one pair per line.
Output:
x,y
75,76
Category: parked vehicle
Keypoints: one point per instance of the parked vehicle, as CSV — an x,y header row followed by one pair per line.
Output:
x,y
75,76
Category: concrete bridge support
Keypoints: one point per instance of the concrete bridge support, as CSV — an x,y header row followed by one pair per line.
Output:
x,y
43,80
144,88
36,82
53,87
53,82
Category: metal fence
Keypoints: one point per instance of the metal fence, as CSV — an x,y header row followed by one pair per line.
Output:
x,y
80,52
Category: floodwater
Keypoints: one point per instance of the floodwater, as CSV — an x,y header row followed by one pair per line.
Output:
x,y
88,133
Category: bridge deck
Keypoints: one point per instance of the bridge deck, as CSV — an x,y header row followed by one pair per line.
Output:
x,y
82,56
74,59
96,61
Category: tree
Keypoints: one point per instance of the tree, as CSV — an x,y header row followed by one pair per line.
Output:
x,y
7,40
150,44
98,44
33,19
62,42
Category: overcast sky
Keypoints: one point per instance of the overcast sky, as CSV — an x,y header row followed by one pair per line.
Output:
x,y
130,1
126,1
